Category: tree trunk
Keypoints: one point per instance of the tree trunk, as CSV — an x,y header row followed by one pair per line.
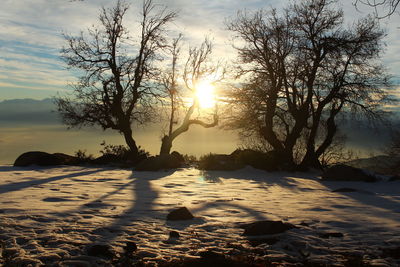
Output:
x,y
166,145
130,142
268,131
332,129
310,160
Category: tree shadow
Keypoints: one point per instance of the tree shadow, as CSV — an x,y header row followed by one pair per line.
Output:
x,y
265,178
12,187
141,206
8,168
378,196
135,201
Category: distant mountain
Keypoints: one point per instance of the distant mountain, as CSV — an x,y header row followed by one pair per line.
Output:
x,y
17,111
27,112
381,164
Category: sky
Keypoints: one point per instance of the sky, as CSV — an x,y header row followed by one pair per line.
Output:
x,y
31,36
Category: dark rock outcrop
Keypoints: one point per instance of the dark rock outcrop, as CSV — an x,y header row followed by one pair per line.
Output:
x,y
393,252
44,159
178,156
213,162
130,247
161,162
331,234
174,234
106,159
101,250
180,214
210,259
211,255
347,173
67,159
269,161
266,228
259,241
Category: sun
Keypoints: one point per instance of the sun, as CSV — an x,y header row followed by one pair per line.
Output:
x,y
205,94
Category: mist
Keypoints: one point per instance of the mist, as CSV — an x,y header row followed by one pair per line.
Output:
x,y
33,125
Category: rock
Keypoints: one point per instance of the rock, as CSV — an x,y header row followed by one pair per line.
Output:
x,y
222,162
343,172
211,255
44,159
100,250
92,260
37,158
210,262
266,228
130,247
75,263
394,178
354,260
393,252
67,159
106,159
180,214
10,252
269,161
259,241
178,156
147,254
344,190
331,234
159,163
174,234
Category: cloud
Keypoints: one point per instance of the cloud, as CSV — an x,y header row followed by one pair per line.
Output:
x,y
31,34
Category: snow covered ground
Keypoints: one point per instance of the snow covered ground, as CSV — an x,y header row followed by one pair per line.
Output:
x,y
50,215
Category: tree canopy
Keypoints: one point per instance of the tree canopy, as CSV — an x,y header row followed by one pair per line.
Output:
x,y
302,68
383,8
118,70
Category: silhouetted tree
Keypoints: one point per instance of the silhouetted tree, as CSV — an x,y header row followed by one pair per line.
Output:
x,y
197,68
388,7
116,87
302,69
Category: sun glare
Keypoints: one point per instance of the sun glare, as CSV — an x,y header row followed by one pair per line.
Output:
x,y
205,94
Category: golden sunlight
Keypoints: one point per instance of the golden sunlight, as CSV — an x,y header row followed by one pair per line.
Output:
x,y
205,94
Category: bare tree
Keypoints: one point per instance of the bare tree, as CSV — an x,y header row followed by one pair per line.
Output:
x,y
116,88
302,69
171,88
197,68
388,7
